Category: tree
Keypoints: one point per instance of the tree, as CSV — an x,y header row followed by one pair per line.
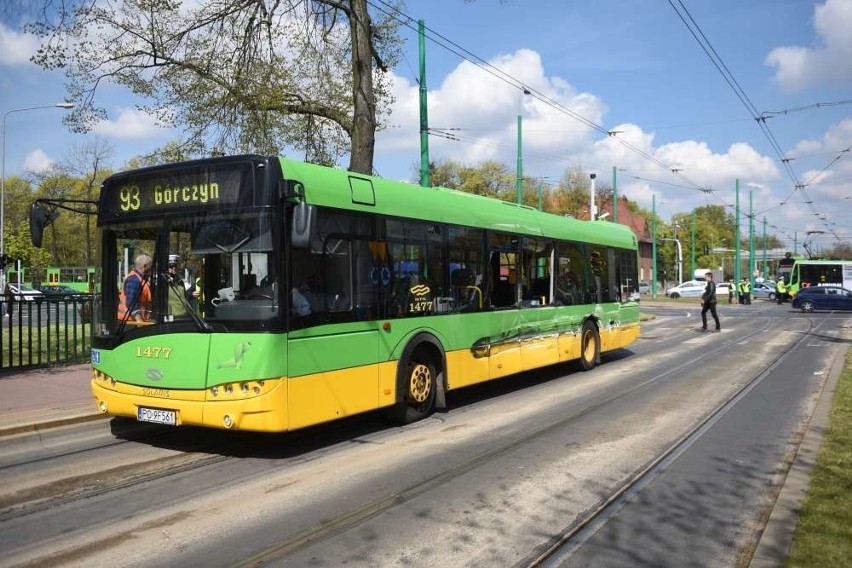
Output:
x,y
64,250
17,243
235,75
88,161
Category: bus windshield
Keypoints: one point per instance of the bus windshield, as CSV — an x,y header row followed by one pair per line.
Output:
x,y
202,272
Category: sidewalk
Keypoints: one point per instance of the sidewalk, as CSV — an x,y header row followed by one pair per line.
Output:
x,y
38,399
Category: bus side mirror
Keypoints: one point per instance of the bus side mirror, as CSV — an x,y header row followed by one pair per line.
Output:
x,y
304,223
39,219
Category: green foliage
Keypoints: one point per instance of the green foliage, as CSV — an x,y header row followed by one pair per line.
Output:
x,y
235,76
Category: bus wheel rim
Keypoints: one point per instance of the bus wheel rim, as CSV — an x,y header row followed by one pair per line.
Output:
x,y
588,345
420,383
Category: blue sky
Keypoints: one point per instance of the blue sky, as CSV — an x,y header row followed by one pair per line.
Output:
x,y
629,66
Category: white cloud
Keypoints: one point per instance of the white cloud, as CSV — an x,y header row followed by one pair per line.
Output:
x,y
130,124
16,48
800,67
37,161
481,111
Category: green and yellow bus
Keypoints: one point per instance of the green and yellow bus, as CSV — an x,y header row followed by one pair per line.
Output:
x,y
306,294
819,272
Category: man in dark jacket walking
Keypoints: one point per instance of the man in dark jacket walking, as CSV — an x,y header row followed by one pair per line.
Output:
x,y
708,302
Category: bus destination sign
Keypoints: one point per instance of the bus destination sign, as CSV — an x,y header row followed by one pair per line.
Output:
x,y
196,188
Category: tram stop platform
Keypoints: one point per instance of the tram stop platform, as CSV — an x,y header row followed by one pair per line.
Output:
x,y
39,399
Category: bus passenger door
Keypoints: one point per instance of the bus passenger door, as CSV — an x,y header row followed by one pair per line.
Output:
x,y
332,372
333,344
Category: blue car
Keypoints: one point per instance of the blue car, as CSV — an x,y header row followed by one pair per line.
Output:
x,y
823,298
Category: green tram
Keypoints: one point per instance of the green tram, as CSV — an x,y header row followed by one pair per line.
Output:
x,y
819,272
318,293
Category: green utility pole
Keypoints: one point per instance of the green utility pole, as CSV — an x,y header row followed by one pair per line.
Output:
x,y
614,195
737,238
765,267
752,264
519,182
653,246
692,247
425,180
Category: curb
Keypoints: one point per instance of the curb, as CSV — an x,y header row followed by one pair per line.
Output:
x,y
67,419
777,536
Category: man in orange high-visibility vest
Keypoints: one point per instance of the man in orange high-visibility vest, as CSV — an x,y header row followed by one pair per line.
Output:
x,y
135,299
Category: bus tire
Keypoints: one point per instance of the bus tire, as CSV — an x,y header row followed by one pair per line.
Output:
x,y
416,387
590,346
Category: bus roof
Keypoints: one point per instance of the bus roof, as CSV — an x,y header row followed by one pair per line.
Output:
x,y
340,189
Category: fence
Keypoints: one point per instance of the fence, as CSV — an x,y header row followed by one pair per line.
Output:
x,y
41,333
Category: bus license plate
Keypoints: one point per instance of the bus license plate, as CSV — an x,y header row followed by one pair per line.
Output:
x,y
156,415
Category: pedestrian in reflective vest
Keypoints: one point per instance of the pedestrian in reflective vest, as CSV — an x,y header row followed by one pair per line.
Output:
x,y
780,291
134,302
747,291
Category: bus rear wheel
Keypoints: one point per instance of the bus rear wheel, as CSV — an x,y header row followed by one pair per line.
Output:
x,y
416,384
590,346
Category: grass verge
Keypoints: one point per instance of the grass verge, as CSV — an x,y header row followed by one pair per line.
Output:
x,y
824,532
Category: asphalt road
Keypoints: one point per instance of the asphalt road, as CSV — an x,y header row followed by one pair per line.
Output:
x,y
495,480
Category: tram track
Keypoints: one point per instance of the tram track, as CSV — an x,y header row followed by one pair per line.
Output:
x,y
576,533
352,518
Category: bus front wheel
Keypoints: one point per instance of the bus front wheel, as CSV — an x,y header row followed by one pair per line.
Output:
x,y
416,394
590,346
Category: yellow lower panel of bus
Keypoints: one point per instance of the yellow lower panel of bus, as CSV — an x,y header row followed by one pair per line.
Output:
x,y
539,351
617,337
322,397
505,359
266,412
463,369
568,345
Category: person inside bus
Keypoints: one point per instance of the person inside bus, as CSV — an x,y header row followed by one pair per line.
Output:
x,y
135,298
301,305
566,288
187,288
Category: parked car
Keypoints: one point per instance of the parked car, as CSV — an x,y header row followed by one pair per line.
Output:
x,y
644,287
61,292
722,289
823,298
688,289
763,290
25,293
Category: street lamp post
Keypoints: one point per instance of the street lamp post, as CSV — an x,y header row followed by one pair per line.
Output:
x,y
679,258
65,105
